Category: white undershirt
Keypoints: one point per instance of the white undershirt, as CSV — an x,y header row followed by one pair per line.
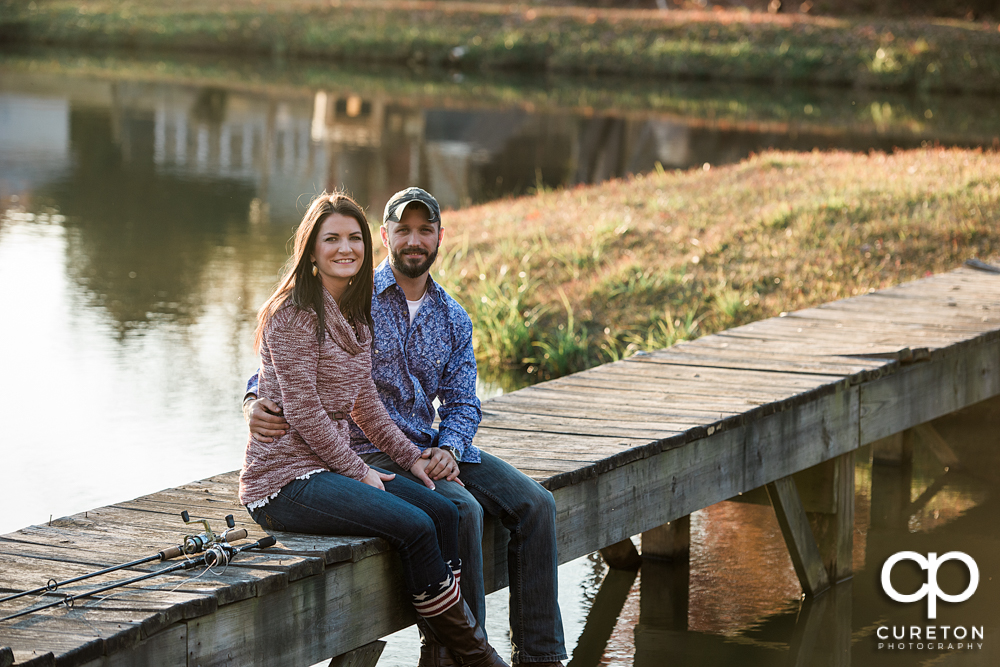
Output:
x,y
414,306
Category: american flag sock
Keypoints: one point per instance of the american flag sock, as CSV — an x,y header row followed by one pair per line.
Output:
x,y
438,598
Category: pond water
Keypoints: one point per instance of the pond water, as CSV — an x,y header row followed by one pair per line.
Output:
x,y
145,206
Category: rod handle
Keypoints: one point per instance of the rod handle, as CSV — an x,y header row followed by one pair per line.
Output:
x,y
171,552
268,541
233,535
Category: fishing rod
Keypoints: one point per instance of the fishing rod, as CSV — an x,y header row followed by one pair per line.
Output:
x,y
192,544
219,554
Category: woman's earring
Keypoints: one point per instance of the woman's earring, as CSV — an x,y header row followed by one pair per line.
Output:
x,y
351,281
315,270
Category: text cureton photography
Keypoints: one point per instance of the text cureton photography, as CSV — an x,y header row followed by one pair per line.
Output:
x,y
930,637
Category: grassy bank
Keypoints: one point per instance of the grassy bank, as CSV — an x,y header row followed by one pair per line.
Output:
x,y
873,53
560,281
892,116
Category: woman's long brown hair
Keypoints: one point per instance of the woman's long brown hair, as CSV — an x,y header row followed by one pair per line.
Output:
x,y
305,290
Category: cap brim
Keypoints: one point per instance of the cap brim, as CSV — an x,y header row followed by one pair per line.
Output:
x,y
401,206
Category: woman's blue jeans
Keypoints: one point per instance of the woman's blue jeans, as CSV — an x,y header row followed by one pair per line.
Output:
x,y
419,523
528,512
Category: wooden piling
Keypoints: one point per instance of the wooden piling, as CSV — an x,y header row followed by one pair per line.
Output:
x,y
671,541
622,555
798,536
895,449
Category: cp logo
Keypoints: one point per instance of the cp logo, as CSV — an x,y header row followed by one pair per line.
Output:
x,y
930,590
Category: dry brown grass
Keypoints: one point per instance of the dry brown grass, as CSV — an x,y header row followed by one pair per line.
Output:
x,y
601,271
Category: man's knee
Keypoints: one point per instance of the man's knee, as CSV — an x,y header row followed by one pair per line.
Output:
x,y
470,512
538,503
447,514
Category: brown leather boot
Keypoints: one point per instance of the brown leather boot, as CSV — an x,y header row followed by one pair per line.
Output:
x,y
432,654
456,629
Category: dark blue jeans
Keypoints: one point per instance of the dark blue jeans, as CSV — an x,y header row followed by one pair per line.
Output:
x,y
526,509
417,522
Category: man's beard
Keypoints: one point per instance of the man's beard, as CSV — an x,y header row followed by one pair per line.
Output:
x,y
407,268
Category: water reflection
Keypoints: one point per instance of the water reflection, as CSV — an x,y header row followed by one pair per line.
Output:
x,y
467,142
737,600
141,238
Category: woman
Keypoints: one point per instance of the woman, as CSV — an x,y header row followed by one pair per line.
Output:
x,y
314,339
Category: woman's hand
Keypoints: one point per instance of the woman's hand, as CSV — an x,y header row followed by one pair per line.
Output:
x,y
375,478
419,470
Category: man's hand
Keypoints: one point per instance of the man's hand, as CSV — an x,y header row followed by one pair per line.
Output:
x,y
265,420
441,464
375,478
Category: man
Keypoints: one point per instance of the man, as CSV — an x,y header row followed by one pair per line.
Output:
x,y
423,351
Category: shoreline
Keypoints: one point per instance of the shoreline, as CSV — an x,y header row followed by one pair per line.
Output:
x,y
729,46
824,111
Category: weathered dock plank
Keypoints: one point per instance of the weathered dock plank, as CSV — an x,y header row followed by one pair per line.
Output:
x,y
961,375
625,448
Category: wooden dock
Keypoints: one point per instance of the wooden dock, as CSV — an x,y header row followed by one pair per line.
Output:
x,y
625,448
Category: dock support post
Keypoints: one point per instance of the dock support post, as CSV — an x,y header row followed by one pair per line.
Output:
x,y
363,656
798,535
821,544
661,634
834,527
895,450
892,478
843,567
622,556
671,541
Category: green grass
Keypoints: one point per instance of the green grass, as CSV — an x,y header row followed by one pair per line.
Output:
x,y
917,54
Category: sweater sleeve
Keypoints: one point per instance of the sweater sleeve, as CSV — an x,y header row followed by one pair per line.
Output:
x,y
369,413
294,352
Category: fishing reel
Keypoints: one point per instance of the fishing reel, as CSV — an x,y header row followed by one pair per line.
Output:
x,y
219,554
194,544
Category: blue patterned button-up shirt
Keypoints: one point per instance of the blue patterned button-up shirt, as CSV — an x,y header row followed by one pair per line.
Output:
x,y
415,363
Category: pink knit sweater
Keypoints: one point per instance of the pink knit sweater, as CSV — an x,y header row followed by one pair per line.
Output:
x,y
317,386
